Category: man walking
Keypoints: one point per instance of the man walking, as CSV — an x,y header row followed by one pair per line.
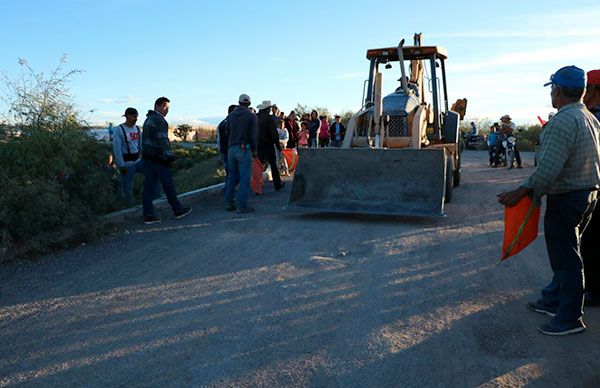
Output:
x,y
158,160
268,140
127,148
242,128
568,173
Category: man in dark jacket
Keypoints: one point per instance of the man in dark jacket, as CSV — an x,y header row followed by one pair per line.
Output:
x,y
268,140
242,128
158,159
223,137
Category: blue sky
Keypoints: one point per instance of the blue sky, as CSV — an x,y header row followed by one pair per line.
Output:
x,y
203,54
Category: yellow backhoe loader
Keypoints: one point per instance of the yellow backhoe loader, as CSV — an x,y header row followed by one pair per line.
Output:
x,y
400,155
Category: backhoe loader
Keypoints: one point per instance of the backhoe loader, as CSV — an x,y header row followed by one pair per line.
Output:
x,y
400,155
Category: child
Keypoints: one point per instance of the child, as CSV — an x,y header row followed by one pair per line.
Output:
x,y
303,135
283,139
324,134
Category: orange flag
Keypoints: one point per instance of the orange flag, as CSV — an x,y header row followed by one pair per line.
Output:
x,y
257,175
291,157
520,226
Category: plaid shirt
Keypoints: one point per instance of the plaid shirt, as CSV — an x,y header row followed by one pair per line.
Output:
x,y
569,156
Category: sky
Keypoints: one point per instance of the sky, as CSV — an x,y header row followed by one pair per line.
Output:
x,y
203,54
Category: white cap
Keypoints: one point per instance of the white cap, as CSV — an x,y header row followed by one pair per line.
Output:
x,y
244,99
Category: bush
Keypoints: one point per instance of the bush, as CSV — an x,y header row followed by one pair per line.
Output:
x,y
54,185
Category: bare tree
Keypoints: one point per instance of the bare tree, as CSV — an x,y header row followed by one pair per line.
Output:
x,y
37,100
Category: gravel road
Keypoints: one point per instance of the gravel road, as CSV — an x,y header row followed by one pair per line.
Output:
x,y
279,298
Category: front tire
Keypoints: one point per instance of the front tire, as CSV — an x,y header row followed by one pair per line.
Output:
x,y
510,159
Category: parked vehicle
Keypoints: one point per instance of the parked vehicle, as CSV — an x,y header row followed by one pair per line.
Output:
x,y
509,151
477,142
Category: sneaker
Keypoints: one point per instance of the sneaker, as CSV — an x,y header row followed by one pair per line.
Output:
x,y
280,186
519,166
183,212
149,220
542,308
554,328
247,209
229,208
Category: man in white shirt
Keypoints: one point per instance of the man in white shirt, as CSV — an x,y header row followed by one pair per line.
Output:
x,y
127,151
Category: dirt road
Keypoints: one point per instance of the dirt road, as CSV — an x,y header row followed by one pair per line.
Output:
x,y
275,298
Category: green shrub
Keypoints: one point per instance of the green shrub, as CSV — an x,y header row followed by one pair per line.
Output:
x,y
54,184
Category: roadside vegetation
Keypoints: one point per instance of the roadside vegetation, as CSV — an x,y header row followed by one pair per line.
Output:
x,y
56,178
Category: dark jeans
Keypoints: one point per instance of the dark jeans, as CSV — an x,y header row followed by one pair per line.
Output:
x,y
517,156
566,217
590,251
492,152
154,172
266,153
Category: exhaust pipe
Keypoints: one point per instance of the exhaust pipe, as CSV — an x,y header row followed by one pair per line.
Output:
x,y
401,60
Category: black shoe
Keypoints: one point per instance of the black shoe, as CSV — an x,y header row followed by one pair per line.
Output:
x,y
229,208
183,212
519,166
542,308
149,220
280,186
555,328
247,209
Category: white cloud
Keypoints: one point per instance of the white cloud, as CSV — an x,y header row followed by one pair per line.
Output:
x,y
120,100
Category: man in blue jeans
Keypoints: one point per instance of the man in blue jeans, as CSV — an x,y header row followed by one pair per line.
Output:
x,y
158,161
568,173
127,150
242,127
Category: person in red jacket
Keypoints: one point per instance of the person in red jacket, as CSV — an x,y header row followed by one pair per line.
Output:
x,y
324,133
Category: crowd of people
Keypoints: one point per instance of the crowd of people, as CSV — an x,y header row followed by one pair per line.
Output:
x,y
263,133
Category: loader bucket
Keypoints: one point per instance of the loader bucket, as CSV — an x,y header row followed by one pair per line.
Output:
x,y
373,181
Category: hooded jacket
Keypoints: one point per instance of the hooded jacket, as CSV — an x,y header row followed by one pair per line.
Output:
x,y
156,144
242,128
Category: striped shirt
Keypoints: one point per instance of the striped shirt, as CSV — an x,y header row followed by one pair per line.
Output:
x,y
569,156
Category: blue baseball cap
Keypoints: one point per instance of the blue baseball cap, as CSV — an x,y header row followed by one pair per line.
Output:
x,y
569,77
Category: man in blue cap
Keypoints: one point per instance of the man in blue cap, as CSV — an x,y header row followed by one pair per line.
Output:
x,y
568,174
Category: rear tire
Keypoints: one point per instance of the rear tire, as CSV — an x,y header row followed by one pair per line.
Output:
x,y
449,180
